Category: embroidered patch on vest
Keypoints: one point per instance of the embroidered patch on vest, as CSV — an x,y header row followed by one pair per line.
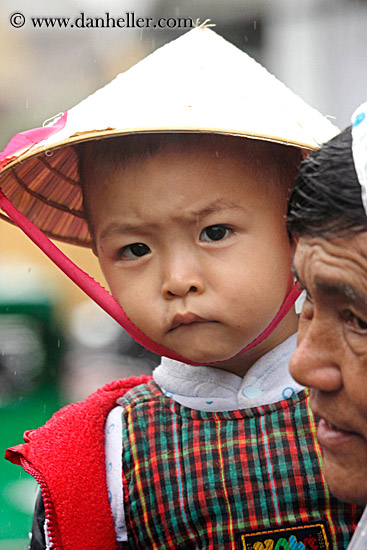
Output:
x,y
306,537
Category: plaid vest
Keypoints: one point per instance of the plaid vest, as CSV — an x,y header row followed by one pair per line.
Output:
x,y
248,479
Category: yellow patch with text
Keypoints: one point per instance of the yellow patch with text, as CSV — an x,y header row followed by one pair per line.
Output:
x,y
305,537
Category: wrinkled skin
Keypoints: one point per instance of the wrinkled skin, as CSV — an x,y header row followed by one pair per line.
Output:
x,y
331,357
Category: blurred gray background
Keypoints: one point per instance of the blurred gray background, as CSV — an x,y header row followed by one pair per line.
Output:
x,y
317,47
56,346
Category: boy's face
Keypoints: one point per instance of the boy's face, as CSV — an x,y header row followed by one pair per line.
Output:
x,y
193,246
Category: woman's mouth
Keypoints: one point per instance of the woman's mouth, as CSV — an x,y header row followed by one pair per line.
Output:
x,y
332,436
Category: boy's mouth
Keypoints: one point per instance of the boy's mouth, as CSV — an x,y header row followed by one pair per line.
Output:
x,y
187,318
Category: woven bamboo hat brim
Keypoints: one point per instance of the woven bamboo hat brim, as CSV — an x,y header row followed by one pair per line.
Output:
x,y
197,83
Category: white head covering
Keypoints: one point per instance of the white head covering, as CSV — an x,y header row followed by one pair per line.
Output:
x,y
359,148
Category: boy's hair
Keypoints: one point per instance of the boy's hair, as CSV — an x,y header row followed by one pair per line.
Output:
x,y
98,158
326,199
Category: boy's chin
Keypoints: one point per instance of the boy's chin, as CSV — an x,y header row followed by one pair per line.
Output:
x,y
204,343
205,357
204,346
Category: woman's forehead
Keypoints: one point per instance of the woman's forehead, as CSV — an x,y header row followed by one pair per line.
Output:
x,y
332,263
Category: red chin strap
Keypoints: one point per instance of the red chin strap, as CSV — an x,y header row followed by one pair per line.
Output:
x,y
288,302
104,299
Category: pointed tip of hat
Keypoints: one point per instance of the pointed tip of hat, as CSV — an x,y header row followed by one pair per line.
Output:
x,y
199,82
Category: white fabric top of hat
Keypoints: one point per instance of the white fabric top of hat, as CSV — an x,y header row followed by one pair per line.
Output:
x,y
200,82
359,148
196,83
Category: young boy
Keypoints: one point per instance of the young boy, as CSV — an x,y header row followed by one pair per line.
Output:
x,y
186,216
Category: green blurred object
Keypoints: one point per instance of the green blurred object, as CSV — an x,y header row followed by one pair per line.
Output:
x,y
31,348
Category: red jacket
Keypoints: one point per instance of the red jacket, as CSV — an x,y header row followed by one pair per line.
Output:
x,y
75,491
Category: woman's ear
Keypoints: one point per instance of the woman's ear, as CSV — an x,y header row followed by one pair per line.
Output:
x,y
293,239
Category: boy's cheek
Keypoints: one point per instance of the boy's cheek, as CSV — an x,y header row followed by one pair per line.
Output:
x,y
138,306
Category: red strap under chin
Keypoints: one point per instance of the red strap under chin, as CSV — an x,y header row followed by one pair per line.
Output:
x,y
104,299
289,301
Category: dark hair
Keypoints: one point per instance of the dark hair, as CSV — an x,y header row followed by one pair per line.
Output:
x,y
326,199
97,158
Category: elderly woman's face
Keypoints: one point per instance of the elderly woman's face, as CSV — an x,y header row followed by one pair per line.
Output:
x,y
331,357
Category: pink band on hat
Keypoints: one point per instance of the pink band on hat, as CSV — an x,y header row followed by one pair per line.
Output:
x,y
104,299
27,139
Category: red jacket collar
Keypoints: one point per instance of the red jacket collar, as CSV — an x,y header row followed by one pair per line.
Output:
x,y
67,458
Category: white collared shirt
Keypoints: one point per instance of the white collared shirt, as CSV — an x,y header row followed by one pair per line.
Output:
x,y
205,389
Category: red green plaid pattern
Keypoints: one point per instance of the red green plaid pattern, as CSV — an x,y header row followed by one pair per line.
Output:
x,y
201,480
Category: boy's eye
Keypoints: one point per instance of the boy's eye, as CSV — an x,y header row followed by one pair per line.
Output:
x,y
133,251
215,233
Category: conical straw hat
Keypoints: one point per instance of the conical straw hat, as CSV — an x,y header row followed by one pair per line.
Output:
x,y
197,83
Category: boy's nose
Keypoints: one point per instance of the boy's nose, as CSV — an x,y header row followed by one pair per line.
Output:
x,y
181,277
316,361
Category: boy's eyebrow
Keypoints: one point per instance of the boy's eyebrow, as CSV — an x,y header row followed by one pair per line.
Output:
x,y
119,228
222,204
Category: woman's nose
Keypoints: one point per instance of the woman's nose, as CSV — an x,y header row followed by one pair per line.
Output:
x,y
316,361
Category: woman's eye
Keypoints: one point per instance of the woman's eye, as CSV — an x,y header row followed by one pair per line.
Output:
x,y
215,233
307,296
133,251
355,322
307,306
